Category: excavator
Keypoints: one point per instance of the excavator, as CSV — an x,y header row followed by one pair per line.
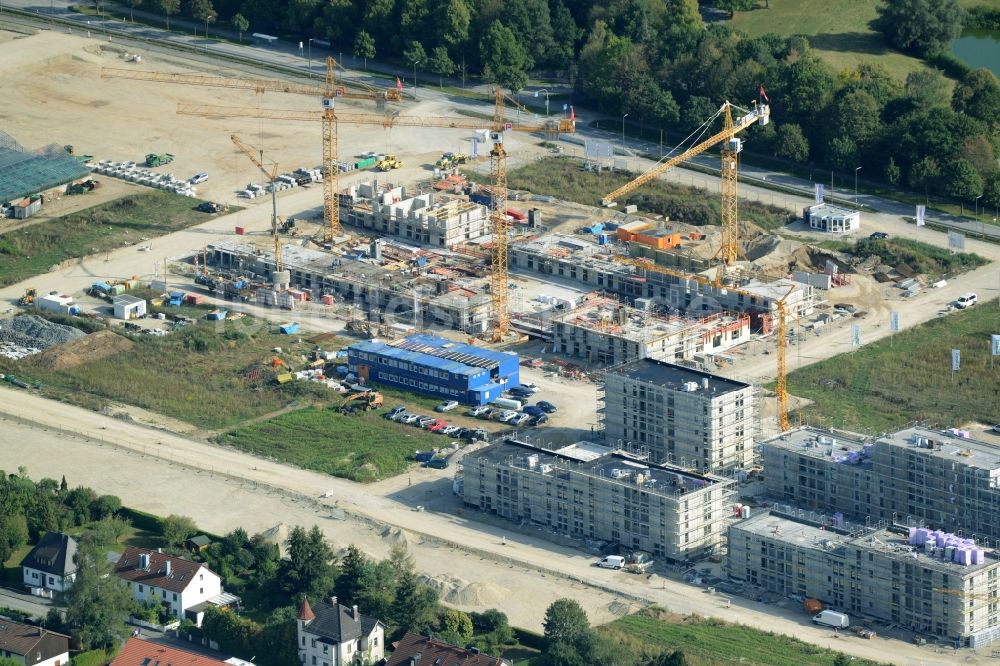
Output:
x,y
361,401
29,296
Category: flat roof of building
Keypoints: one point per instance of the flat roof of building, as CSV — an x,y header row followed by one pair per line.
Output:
x,y
611,317
947,445
437,352
612,466
890,542
670,375
817,443
831,209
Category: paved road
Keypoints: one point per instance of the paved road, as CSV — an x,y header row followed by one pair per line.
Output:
x,y
26,603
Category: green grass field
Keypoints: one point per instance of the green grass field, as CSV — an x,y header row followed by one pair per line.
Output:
x,y
839,31
196,374
365,447
34,249
565,178
886,384
712,642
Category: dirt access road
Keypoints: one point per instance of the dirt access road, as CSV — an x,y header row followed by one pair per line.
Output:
x,y
476,566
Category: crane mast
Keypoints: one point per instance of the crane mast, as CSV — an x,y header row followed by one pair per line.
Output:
x,y
252,154
331,179
499,277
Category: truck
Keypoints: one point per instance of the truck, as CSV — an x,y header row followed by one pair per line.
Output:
x,y
829,618
366,162
158,159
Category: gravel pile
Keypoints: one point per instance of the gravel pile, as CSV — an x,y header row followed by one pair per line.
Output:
x,y
32,331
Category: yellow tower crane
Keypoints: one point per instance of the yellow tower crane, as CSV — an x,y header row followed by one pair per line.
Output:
x,y
499,275
328,93
256,155
759,113
781,325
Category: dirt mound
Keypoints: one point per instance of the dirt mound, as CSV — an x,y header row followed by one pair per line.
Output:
x,y
770,248
87,349
461,592
277,535
396,535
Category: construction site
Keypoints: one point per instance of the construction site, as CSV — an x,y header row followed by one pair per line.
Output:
x,y
345,205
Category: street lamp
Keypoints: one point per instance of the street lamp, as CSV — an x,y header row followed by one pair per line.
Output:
x,y
623,133
310,45
415,63
856,170
546,92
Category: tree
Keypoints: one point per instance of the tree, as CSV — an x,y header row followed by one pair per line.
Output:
x,y
177,529
132,4
202,10
505,62
364,47
109,530
441,64
566,622
841,660
892,172
733,6
961,180
311,565
13,534
98,603
415,604
565,34
920,26
675,658
400,559
353,570
78,502
924,174
978,95
457,623
926,87
991,190
415,54
240,24
792,143
453,18
105,506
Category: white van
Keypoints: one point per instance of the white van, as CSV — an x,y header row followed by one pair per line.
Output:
x,y
829,618
612,562
966,301
199,178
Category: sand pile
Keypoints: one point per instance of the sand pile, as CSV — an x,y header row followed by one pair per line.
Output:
x,y
461,592
396,535
82,350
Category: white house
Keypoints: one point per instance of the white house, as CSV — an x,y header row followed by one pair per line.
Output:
x,y
50,568
129,307
331,634
157,578
33,646
834,219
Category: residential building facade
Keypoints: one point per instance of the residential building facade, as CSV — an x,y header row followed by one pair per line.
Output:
x,y
930,583
49,568
331,634
436,366
588,491
177,584
33,646
916,476
680,415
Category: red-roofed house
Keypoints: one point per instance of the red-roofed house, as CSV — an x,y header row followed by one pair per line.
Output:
x,y
137,652
182,585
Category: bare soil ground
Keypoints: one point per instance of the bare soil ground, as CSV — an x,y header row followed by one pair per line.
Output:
x,y
89,348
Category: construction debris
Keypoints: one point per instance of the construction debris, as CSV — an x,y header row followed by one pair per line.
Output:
x,y
33,332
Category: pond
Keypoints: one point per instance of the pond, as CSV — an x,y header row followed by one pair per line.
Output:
x,y
979,48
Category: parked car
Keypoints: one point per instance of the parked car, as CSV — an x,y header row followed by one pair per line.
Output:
x,y
447,406
437,425
533,410
505,416
409,418
530,387
437,463
478,410
486,413
545,406
539,420
996,428
879,235
394,413
424,421
519,419
451,431
474,434
966,301
520,392
199,178
424,456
